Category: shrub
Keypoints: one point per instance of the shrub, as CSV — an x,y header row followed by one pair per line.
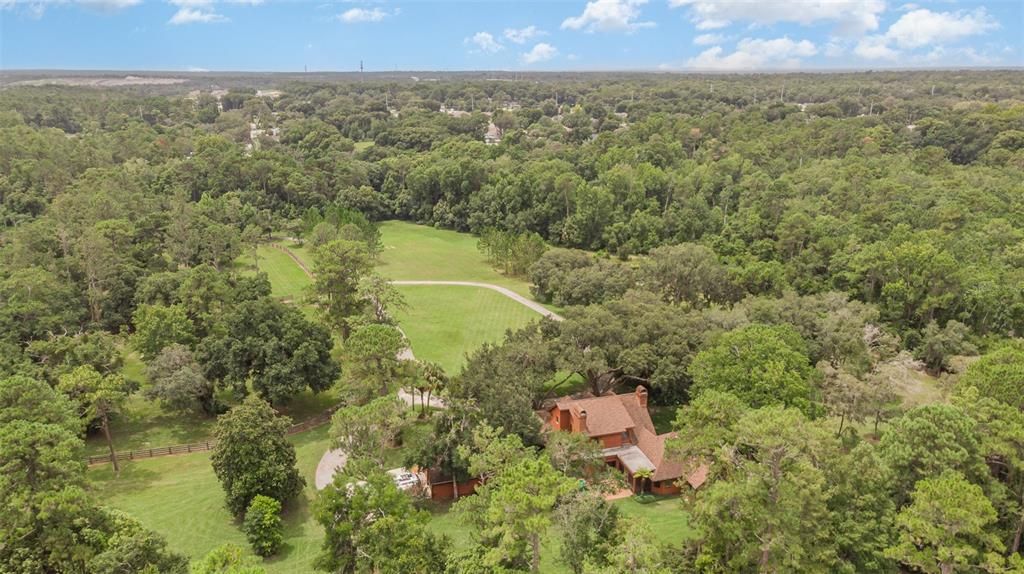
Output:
x,y
262,525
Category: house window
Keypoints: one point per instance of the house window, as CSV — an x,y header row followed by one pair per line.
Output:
x,y
625,437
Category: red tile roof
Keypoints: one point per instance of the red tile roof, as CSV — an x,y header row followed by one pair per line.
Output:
x,y
612,414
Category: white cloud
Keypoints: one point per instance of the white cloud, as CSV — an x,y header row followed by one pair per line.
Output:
x,y
484,42
755,53
922,27
875,47
835,49
608,16
523,35
708,39
851,17
355,15
541,52
186,15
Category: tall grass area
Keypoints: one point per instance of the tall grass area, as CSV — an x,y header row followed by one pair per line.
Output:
x,y
444,323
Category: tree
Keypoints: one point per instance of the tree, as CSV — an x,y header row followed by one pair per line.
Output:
x,y
431,379
513,253
45,512
1000,428
371,526
862,509
938,345
929,440
373,364
946,527
130,547
177,381
338,267
34,302
273,347
760,364
48,522
587,522
227,559
383,297
367,431
630,550
576,455
262,525
764,509
29,400
158,326
253,456
687,272
999,374
99,397
511,511
845,395
60,354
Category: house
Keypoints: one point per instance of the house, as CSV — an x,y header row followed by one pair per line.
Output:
x,y
493,134
622,424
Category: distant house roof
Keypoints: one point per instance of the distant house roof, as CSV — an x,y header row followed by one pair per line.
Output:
x,y
609,414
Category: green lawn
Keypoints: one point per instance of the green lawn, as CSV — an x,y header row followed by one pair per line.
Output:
x,y
179,497
668,520
420,252
443,323
287,279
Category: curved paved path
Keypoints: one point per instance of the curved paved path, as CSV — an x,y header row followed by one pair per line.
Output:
x,y
332,461
503,290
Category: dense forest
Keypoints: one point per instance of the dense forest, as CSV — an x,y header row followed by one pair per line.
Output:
x,y
769,255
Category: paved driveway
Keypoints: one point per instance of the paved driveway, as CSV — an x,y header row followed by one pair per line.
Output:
x,y
331,462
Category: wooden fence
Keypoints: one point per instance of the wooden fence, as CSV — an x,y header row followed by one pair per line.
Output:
x,y
304,426
152,452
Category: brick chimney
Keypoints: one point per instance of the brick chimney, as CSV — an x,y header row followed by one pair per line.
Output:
x,y
583,420
641,396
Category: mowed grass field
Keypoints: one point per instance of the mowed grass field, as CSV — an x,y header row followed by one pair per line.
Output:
x,y
179,497
445,322
287,280
425,253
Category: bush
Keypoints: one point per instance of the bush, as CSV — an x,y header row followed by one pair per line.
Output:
x,y
644,498
262,525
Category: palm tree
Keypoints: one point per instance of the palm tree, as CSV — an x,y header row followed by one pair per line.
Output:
x,y
642,474
432,379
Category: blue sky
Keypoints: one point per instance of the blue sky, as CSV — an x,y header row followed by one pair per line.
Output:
x,y
487,34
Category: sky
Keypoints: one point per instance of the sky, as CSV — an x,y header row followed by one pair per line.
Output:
x,y
680,35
